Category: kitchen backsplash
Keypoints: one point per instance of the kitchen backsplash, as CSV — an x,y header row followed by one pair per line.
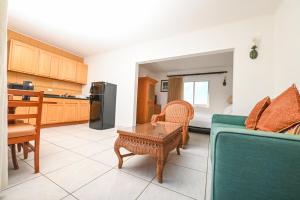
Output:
x,y
49,86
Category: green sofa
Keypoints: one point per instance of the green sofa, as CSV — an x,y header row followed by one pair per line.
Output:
x,y
252,165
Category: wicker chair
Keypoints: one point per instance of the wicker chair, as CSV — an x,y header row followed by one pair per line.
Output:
x,y
176,112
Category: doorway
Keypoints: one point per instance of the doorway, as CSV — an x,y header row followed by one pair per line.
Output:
x,y
207,84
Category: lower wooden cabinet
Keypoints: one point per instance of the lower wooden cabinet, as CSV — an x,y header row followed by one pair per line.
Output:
x,y
83,111
70,111
56,111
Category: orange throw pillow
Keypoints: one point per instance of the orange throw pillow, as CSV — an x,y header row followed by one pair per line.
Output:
x,y
256,112
283,112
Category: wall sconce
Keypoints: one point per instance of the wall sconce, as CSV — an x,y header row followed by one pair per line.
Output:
x,y
224,82
253,53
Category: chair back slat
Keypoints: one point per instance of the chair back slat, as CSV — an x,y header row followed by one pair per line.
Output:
x,y
20,103
23,93
21,116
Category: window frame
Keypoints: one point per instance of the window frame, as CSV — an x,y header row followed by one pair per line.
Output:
x,y
208,96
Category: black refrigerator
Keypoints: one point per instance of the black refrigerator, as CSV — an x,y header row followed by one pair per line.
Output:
x,y
102,105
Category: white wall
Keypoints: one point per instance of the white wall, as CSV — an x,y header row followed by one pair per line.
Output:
x,y
3,94
249,78
287,45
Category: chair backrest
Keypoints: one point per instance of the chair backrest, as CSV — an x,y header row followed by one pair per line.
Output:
x,y
178,111
36,105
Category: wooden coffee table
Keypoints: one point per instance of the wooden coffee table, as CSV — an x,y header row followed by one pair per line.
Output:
x,y
156,140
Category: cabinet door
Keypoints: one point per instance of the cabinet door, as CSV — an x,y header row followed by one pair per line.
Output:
x,y
70,112
68,70
151,96
81,73
23,57
83,111
32,110
44,63
55,66
55,113
44,114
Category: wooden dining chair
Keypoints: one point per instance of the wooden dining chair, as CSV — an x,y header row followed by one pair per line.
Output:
x,y
20,132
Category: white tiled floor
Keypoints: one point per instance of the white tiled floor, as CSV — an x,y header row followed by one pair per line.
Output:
x,y
79,163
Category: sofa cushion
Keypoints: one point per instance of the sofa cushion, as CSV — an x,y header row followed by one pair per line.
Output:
x,y
216,126
256,113
282,113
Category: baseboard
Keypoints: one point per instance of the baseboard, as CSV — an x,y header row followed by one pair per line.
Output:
x,y
63,124
196,129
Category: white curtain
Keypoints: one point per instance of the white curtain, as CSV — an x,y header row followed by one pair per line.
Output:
x,y
3,94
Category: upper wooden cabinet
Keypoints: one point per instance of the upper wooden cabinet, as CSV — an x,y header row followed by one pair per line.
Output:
x,y
55,66
32,60
44,66
81,73
22,57
67,71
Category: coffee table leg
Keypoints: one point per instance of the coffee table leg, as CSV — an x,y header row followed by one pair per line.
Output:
x,y
178,146
117,151
159,169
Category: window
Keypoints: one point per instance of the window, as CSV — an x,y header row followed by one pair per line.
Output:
x,y
196,93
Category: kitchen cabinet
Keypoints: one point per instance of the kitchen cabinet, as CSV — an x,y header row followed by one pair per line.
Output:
x,y
44,65
31,60
44,114
81,73
83,111
67,70
58,111
23,57
54,113
55,66
70,111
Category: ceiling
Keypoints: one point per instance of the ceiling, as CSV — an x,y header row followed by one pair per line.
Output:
x,y
85,27
224,59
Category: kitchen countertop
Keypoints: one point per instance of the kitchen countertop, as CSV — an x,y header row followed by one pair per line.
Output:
x,y
63,97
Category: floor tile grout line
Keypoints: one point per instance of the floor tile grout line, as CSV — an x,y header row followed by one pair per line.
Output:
x,y
171,189
22,182
68,196
90,158
128,173
70,149
68,193
155,183
92,180
72,163
144,189
202,171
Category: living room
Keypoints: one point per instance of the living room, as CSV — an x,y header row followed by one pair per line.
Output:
x,y
248,153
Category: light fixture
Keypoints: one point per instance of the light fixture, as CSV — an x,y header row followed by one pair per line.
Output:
x,y
253,53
